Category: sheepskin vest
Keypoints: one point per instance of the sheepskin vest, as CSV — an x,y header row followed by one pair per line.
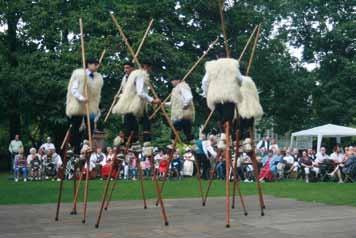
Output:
x,y
250,105
177,104
223,80
129,101
76,108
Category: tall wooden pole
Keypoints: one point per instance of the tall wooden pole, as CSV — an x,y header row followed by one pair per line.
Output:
x,y
223,28
253,50
85,82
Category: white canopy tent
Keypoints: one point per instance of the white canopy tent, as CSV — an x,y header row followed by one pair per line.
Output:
x,y
328,130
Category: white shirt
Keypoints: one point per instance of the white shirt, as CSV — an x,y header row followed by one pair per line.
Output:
x,y
95,156
123,81
15,146
288,159
142,89
187,97
337,157
205,85
75,87
56,159
320,158
207,147
30,158
46,146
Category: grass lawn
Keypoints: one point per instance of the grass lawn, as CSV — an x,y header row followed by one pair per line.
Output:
x,y
46,191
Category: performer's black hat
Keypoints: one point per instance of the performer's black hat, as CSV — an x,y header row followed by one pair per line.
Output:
x,y
92,61
174,78
146,61
129,63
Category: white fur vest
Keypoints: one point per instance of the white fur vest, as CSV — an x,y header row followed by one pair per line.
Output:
x,y
129,101
250,105
177,104
76,108
223,81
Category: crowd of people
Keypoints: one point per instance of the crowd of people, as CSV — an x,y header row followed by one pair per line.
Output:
x,y
204,158
37,164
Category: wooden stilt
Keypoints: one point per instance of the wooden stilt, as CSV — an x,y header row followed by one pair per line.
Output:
x,y
166,174
227,177
112,188
128,143
140,172
74,211
86,187
160,200
255,170
62,172
199,181
212,174
107,185
236,179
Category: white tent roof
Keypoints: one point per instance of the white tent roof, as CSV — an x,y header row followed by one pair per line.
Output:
x,y
328,130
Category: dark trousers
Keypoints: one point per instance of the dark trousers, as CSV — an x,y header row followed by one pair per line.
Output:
x,y
204,165
226,112
185,126
131,123
76,136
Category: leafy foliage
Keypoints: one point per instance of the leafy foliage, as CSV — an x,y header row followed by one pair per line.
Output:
x,y
40,47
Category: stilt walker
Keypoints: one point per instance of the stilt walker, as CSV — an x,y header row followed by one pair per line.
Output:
x,y
83,100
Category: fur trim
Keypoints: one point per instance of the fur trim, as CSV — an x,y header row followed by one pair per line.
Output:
x,y
250,105
223,81
177,111
76,108
129,101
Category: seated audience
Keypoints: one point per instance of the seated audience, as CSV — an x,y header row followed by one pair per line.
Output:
x,y
20,165
35,164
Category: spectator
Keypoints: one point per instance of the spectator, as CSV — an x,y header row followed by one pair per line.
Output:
x,y
311,154
46,146
274,146
52,162
133,166
163,166
277,159
264,143
321,156
340,160
157,159
14,148
307,164
188,165
147,166
107,162
97,160
220,167
266,173
246,167
176,165
20,165
205,152
35,164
